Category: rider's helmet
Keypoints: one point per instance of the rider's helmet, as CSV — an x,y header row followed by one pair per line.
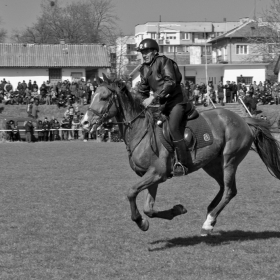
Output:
x,y
148,44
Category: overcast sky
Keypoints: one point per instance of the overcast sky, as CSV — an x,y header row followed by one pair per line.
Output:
x,y
17,14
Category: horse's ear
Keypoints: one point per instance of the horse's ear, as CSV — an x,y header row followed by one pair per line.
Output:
x,y
106,79
99,80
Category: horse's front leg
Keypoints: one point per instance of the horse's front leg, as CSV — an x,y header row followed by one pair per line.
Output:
x,y
150,198
151,178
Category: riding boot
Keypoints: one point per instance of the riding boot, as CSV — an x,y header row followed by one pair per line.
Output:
x,y
180,168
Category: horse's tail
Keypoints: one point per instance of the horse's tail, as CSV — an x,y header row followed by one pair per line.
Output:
x,y
265,145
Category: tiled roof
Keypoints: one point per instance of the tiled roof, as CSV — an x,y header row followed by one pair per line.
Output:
x,y
248,29
53,55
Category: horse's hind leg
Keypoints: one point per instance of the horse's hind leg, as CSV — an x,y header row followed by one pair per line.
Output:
x,y
150,198
225,176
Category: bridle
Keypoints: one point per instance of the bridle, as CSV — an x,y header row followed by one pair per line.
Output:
x,y
114,99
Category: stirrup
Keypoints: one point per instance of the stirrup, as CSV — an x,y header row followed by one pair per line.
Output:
x,y
179,169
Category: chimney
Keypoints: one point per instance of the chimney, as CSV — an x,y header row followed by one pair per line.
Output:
x,y
62,41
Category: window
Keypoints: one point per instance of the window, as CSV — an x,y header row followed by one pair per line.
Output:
x,y
208,50
246,80
153,35
55,74
186,49
172,49
185,36
272,48
76,75
242,49
171,36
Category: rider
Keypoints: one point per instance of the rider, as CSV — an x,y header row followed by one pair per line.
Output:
x,y
160,82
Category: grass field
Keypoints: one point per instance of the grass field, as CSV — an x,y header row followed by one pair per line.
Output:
x,y
64,215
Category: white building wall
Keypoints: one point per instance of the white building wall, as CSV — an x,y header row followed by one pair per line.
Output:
x,y
40,75
68,73
258,73
15,75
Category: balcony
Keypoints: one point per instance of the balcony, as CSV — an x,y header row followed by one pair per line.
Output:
x,y
222,59
207,58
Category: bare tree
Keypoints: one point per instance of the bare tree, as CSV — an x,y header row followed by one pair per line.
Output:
x,y
91,21
264,37
3,33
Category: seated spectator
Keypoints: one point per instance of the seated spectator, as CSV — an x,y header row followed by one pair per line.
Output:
x,y
35,87
8,87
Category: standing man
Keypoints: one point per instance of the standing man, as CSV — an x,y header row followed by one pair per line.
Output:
x,y
228,88
46,129
29,128
160,83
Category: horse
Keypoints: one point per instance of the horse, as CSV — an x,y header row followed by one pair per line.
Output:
x,y
233,137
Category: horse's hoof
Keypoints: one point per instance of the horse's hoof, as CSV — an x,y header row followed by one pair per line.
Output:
x,y
178,209
205,232
144,225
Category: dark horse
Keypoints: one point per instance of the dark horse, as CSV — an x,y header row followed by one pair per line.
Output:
x,y
233,138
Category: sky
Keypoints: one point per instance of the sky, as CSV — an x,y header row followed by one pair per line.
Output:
x,y
18,14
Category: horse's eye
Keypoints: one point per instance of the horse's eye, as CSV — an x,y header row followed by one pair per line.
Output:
x,y
104,98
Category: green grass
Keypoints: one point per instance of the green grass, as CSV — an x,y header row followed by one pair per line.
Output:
x,y
64,215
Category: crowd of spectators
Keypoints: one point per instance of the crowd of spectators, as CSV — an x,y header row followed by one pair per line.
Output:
x,y
266,92
49,130
61,93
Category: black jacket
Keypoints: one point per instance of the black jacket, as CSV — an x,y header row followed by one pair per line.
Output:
x,y
163,77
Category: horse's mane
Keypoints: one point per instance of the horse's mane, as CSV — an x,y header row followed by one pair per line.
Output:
x,y
131,99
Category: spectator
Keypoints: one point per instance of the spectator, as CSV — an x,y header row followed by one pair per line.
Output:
x,y
56,126
86,131
29,128
51,127
221,96
234,92
228,88
29,86
34,87
65,125
8,87
75,126
8,132
35,109
40,132
29,109
46,129
14,132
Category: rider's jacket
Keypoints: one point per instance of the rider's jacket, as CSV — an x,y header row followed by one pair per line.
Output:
x,y
162,77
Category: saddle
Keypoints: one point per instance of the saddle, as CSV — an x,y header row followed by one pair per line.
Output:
x,y
197,133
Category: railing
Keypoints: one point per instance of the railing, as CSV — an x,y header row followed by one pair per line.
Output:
x,y
245,107
222,59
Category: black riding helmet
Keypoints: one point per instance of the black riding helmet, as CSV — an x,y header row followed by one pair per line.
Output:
x,y
148,44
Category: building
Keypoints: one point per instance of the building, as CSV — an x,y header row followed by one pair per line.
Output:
x,y
125,56
53,62
207,50
239,54
184,42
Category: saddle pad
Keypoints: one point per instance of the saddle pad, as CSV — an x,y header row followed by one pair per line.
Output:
x,y
201,132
